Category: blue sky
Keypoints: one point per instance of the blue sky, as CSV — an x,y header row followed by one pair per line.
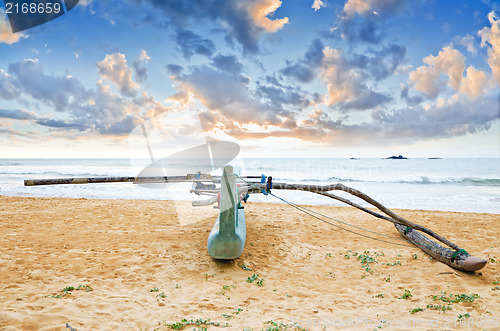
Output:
x,y
312,78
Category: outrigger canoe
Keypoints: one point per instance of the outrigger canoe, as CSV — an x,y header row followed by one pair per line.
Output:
x,y
228,235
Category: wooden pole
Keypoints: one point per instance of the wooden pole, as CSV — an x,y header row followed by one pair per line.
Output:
x,y
457,258
136,180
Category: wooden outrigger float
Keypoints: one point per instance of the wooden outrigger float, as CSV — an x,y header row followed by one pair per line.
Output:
x,y
227,238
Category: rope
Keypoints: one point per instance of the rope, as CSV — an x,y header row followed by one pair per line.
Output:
x,y
454,256
311,212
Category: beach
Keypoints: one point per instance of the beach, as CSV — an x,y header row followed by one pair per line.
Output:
x,y
91,264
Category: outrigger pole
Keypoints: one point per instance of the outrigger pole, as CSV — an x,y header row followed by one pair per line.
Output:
x,y
135,180
457,258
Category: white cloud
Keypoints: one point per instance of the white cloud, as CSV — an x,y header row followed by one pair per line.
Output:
x,y
364,7
143,56
259,12
345,83
474,83
490,37
114,69
318,4
6,35
449,61
85,2
468,42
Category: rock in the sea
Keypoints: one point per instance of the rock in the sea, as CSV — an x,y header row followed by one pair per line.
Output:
x,y
400,157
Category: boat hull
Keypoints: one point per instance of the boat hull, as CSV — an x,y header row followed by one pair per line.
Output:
x,y
227,238
227,245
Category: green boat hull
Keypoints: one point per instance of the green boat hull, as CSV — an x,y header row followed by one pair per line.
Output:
x,y
227,238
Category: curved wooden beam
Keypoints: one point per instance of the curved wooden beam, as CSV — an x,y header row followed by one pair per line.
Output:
x,y
456,258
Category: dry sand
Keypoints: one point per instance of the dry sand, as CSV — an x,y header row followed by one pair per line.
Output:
x,y
123,249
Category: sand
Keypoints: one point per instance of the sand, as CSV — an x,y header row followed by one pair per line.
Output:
x,y
140,268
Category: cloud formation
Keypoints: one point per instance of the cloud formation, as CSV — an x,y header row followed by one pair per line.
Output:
x,y
227,96
445,118
346,84
57,91
371,7
114,69
18,114
474,83
190,44
259,12
468,42
451,63
8,90
242,22
90,110
6,35
317,4
490,37
304,69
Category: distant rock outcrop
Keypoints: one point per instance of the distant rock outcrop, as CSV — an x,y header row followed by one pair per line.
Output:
x,y
400,157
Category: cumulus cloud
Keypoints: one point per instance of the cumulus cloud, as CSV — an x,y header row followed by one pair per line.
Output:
x,y
91,110
242,22
468,42
304,69
364,20
143,56
114,69
141,73
58,91
445,118
260,10
228,94
346,84
317,4
6,35
7,89
228,63
490,37
282,96
449,62
190,44
442,119
346,76
370,7
474,83
232,102
380,63
410,100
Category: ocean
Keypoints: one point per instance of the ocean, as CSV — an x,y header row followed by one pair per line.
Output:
x,y
460,185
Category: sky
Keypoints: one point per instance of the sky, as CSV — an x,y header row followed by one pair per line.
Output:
x,y
309,78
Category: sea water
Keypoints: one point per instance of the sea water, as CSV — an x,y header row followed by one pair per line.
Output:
x,y
462,185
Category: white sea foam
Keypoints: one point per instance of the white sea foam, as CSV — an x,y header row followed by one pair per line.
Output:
x,y
446,184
